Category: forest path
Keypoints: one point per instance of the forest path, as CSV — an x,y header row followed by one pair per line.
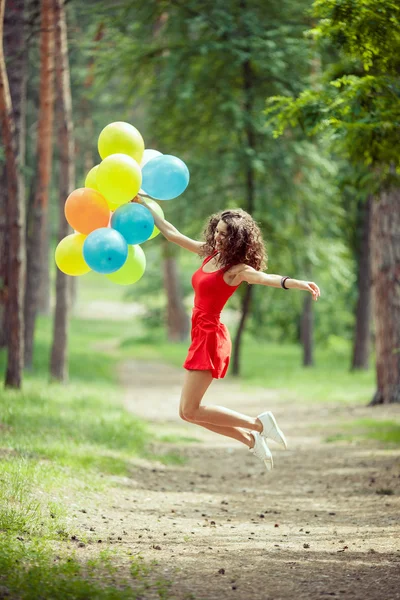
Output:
x,y
324,522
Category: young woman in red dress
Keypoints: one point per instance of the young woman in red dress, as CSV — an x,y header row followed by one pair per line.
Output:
x,y
234,252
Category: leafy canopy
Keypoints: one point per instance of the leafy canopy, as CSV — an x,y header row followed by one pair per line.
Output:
x,y
359,107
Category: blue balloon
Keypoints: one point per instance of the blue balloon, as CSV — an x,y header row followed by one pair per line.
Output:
x,y
105,250
165,177
134,222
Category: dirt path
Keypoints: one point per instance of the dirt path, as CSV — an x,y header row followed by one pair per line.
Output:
x,y
324,522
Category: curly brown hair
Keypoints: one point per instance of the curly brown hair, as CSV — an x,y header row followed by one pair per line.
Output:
x,y
243,244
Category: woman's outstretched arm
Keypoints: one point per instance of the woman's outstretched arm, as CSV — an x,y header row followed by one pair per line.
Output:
x,y
250,275
170,232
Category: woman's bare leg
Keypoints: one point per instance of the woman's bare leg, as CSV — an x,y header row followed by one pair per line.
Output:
x,y
233,432
216,418
236,433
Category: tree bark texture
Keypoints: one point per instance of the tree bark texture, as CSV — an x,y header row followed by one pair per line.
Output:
x,y
44,291
245,310
362,331
59,350
250,143
385,271
37,229
4,246
15,52
177,319
306,331
16,231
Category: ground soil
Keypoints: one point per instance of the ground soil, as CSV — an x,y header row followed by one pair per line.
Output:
x,y
324,522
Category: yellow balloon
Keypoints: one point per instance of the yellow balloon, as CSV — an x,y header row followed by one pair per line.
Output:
x,y
119,179
90,181
159,211
121,138
69,255
133,268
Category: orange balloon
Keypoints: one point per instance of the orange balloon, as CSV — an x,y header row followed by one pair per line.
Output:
x,y
86,210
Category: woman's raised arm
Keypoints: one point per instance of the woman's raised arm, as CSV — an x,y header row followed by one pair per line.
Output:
x,y
170,232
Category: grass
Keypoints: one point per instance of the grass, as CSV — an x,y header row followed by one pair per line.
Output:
x,y
280,367
178,439
62,440
386,432
30,571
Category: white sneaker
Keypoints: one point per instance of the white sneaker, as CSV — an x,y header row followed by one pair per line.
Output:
x,y
261,450
271,429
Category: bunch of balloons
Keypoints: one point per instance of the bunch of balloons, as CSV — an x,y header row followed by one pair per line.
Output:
x,y
109,227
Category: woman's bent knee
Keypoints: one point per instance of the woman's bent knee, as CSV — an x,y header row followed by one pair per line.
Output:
x,y
182,415
196,384
187,415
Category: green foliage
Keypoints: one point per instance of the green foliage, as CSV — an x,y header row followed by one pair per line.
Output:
x,y
358,111
367,30
204,72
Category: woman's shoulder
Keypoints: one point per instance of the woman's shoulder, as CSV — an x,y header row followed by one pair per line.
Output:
x,y
235,269
235,274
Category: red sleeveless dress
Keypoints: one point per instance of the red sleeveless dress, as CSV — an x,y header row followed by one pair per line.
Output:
x,y
211,344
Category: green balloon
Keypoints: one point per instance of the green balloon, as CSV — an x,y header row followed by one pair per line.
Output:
x,y
133,268
157,208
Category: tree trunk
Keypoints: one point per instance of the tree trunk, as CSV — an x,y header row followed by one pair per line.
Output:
x,y
15,217
44,290
38,228
363,309
250,144
4,245
177,319
385,273
43,307
306,331
245,309
59,351
15,51
87,107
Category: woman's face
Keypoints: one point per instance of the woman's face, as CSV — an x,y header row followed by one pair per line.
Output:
x,y
220,234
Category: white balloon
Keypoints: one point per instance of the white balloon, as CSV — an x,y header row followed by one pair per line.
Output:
x,y
148,154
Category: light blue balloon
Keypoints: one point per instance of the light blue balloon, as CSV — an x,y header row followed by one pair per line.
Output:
x,y
105,250
134,222
165,177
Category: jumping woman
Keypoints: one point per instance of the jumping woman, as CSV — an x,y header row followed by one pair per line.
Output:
x,y
233,251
